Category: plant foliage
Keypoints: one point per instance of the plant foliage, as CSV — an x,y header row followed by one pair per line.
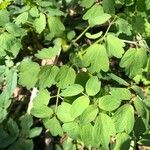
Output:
x,y
75,73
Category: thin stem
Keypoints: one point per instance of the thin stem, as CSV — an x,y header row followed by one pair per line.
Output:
x,y
129,42
57,98
136,44
84,31
102,38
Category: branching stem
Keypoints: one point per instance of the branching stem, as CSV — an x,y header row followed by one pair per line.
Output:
x,y
84,31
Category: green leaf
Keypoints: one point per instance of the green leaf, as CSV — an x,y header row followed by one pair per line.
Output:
x,y
26,121
40,23
34,12
22,18
115,46
47,76
9,134
138,23
122,141
72,129
118,79
84,3
28,73
93,86
138,90
4,4
124,93
4,17
145,141
79,105
48,53
96,16
93,36
140,107
65,77
96,58
25,144
98,20
124,118
72,90
109,6
93,12
133,61
86,134
11,82
45,3
67,144
71,34
56,27
15,30
41,111
147,4
54,126
139,127
89,114
63,112
123,26
9,43
103,129
8,89
109,103
42,98
3,114
36,131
